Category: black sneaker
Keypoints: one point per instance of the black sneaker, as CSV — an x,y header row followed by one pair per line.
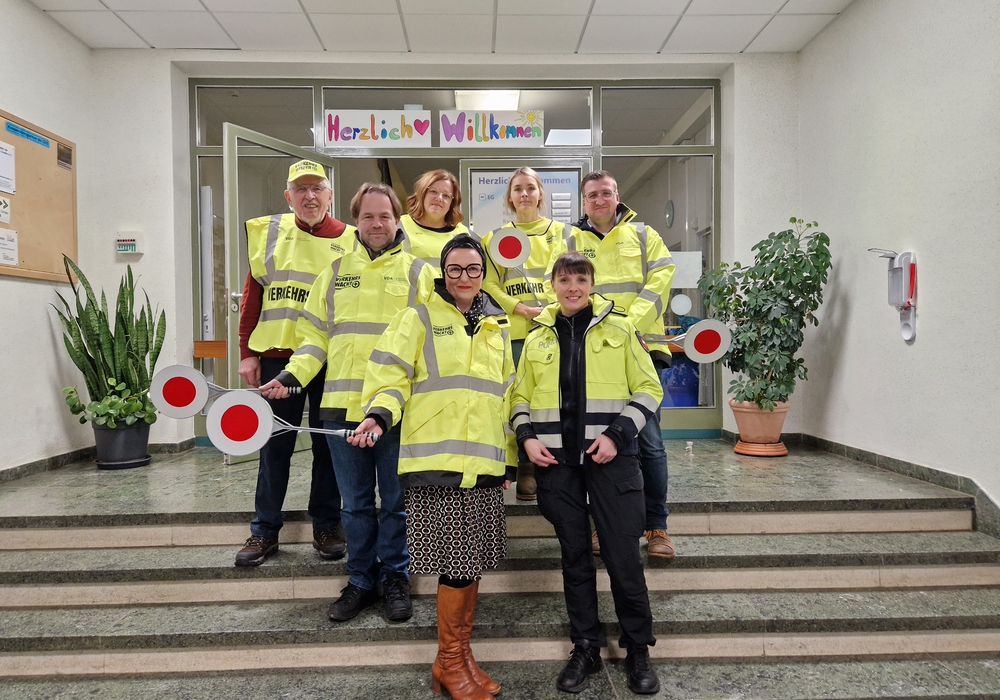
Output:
x,y
256,550
582,662
398,606
352,601
329,544
641,676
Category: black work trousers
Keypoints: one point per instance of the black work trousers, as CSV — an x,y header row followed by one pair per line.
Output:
x,y
617,504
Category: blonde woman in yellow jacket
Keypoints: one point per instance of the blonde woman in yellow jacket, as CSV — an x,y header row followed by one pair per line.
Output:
x,y
520,290
585,388
447,363
433,216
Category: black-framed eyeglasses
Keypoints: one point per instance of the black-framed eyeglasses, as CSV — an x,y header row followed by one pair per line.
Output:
x,y
454,272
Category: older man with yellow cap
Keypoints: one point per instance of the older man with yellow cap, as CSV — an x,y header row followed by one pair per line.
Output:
x,y
287,252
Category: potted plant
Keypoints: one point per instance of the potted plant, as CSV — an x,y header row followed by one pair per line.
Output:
x,y
117,353
767,306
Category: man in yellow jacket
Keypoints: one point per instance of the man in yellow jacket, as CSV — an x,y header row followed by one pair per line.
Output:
x,y
634,270
286,253
349,306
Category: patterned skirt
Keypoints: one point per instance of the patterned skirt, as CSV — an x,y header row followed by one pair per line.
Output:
x,y
455,532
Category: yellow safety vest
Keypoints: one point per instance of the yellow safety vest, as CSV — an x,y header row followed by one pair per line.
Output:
x,y
454,388
524,284
425,244
350,305
633,268
285,261
621,380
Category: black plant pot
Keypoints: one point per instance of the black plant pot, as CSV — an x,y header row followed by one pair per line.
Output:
x,y
123,447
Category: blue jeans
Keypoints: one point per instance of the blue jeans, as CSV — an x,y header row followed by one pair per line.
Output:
x,y
276,457
376,539
653,463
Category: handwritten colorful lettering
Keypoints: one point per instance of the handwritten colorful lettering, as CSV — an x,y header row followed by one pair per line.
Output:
x,y
466,129
360,128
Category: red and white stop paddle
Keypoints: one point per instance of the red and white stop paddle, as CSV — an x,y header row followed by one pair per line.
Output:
x,y
240,422
706,341
509,246
180,391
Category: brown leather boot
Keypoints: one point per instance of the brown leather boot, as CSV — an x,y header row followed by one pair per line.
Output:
x,y
480,676
526,489
450,670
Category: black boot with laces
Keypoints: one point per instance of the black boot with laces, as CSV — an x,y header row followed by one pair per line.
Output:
x,y
582,662
641,676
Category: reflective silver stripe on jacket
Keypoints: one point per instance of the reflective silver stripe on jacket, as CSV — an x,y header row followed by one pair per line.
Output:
x,y
544,415
455,447
606,405
330,292
359,327
637,417
618,288
312,351
381,357
392,393
646,401
415,267
460,381
653,297
273,224
279,314
347,385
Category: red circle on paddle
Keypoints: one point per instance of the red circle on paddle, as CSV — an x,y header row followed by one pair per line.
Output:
x,y
707,342
239,423
510,247
179,391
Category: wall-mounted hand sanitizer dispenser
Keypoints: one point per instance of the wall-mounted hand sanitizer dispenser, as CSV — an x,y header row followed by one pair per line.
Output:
x,y
902,288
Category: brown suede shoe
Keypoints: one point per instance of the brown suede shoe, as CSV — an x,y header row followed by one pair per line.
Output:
x,y
255,551
658,544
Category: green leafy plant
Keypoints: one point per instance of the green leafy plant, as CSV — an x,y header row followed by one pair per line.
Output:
x,y
116,353
767,306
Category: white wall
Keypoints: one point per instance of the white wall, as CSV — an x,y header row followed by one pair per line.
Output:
x,y
47,82
899,148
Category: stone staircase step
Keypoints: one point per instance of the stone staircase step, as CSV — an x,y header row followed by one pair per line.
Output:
x,y
889,679
500,617
716,562
730,518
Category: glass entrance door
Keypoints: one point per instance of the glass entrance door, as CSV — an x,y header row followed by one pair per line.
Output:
x,y
255,168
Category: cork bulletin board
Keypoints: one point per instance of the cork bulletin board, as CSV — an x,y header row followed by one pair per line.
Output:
x,y
37,200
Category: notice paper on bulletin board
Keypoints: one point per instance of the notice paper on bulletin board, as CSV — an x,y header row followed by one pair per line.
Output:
x,y
7,170
8,247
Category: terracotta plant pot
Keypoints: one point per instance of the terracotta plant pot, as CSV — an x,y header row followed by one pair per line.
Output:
x,y
760,430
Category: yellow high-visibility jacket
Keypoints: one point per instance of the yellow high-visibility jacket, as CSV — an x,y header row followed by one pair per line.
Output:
x,y
633,268
349,306
425,243
454,388
622,386
524,284
285,261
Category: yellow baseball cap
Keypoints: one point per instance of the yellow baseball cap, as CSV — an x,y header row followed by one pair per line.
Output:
x,y
305,167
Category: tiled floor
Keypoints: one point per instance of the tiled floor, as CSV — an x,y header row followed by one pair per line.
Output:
x,y
197,481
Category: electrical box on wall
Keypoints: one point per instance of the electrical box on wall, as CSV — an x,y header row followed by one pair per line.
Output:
x,y
129,243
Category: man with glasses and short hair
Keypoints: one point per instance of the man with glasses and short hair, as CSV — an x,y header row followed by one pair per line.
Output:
x,y
634,270
349,307
286,253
